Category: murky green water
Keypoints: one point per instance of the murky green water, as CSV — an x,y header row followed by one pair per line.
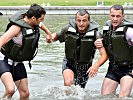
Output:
x,y
45,77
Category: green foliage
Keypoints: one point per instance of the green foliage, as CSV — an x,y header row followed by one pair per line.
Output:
x,y
62,2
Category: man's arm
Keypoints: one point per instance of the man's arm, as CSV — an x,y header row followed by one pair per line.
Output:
x,y
129,37
61,35
93,70
46,30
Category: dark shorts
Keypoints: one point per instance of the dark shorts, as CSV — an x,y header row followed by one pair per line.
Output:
x,y
18,72
68,65
80,71
117,72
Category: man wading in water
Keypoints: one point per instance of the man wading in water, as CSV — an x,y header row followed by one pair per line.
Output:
x,y
79,36
18,44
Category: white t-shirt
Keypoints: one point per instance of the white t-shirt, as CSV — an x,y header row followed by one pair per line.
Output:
x,y
129,36
18,40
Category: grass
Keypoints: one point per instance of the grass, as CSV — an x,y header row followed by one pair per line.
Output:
x,y
62,2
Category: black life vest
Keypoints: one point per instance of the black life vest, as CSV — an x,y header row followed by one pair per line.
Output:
x,y
119,51
80,48
30,39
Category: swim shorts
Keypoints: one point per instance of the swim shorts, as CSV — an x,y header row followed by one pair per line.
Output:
x,y
18,72
79,69
117,72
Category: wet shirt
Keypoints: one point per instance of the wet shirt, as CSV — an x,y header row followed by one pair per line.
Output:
x,y
129,36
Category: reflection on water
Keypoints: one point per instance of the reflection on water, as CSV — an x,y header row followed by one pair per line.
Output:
x,y
45,77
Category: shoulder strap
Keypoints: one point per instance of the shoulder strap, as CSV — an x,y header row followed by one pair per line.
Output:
x,y
37,35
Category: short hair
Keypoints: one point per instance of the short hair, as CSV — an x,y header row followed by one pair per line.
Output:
x,y
118,7
82,13
35,10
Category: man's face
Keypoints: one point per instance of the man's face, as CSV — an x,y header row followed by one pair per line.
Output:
x,y
82,22
116,17
41,19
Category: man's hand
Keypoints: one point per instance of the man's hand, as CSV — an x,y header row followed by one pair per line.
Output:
x,y
48,38
98,43
54,36
93,70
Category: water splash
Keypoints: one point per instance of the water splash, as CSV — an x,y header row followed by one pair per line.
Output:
x,y
65,92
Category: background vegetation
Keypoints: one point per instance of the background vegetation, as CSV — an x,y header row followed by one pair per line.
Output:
x,y
62,2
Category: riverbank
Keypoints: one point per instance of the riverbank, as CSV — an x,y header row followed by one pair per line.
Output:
x,y
7,10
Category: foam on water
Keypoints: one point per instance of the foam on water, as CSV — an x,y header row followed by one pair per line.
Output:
x,y
59,92
65,92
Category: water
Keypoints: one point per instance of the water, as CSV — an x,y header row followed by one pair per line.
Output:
x,y
45,77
